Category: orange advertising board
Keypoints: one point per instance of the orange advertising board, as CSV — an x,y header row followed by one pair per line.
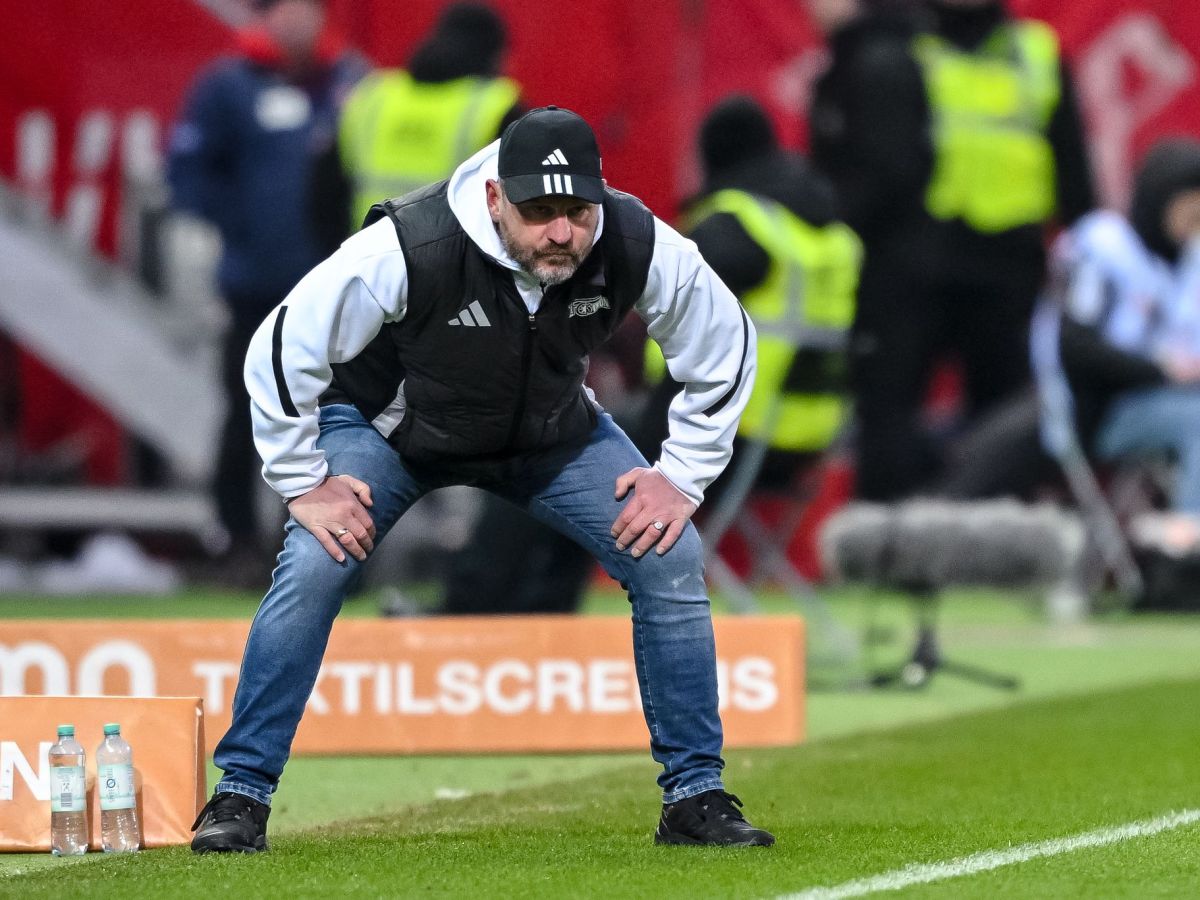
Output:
x,y
531,683
170,774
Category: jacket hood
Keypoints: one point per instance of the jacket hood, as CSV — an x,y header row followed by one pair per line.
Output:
x,y
467,195
1171,166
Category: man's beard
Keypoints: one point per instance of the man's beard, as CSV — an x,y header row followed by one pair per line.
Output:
x,y
547,266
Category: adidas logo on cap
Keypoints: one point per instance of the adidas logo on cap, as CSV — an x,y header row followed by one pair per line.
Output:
x,y
550,151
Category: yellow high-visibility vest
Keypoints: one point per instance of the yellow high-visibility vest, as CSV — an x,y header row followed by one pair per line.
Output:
x,y
802,312
994,166
397,134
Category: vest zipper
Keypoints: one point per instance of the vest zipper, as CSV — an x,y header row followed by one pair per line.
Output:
x,y
526,364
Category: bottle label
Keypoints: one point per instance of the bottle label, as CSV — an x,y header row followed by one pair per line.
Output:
x,y
68,792
114,784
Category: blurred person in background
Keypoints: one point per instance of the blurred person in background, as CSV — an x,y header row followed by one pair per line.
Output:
x,y
402,129
1008,158
869,122
1010,162
447,343
241,157
1129,340
869,132
767,224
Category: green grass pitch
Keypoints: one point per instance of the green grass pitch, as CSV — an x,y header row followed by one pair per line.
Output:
x,y
1105,732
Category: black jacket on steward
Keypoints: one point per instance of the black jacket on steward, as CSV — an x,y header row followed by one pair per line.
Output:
x,y
869,127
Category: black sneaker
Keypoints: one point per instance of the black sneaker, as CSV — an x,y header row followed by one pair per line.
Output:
x,y
231,823
709,818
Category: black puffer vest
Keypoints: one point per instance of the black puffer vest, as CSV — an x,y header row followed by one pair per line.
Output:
x,y
478,377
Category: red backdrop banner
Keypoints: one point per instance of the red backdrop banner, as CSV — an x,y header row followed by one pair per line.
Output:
x,y
90,83
642,73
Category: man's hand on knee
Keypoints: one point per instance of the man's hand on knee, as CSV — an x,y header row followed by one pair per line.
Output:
x,y
335,513
657,512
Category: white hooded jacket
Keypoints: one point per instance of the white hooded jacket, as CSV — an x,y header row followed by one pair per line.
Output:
x,y
335,311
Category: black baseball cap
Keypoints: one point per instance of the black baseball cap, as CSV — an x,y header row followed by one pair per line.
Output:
x,y
550,151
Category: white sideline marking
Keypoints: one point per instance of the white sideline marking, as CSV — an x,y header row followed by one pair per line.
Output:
x,y
987,860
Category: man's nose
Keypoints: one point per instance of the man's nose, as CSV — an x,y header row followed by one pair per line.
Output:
x,y
558,230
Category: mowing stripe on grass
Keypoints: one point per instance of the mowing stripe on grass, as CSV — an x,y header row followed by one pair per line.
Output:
x,y
994,859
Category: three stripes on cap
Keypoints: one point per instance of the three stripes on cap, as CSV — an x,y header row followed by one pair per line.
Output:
x,y
558,184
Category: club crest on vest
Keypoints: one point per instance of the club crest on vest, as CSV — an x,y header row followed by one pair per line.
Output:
x,y
586,306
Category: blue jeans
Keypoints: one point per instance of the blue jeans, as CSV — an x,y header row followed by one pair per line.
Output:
x,y
1154,420
569,488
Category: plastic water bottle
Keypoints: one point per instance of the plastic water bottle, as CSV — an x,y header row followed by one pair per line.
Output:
x,y
119,831
68,795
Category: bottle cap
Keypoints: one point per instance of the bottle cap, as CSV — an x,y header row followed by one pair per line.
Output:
x,y
66,730
112,728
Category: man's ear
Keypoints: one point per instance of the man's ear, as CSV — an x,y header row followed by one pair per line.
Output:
x,y
495,197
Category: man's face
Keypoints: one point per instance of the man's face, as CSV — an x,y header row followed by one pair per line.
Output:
x,y
549,237
1181,219
296,25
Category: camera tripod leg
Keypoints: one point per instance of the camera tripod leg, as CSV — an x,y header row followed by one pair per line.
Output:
x,y
927,659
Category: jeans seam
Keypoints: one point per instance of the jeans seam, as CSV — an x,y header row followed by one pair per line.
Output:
x,y
644,676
